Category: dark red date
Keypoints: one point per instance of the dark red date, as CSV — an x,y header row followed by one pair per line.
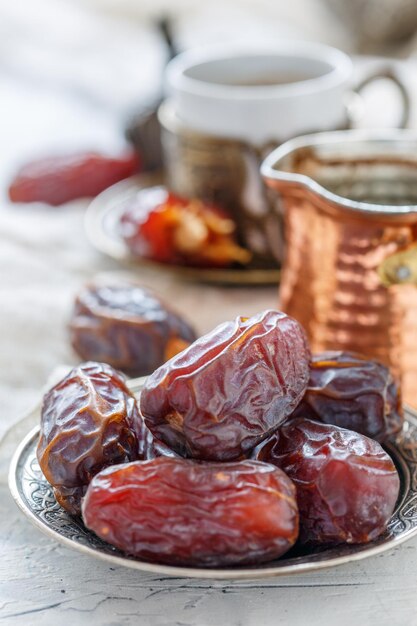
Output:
x,y
221,396
181,512
126,326
347,485
59,179
89,420
350,391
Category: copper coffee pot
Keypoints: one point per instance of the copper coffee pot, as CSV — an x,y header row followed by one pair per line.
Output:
x,y
350,273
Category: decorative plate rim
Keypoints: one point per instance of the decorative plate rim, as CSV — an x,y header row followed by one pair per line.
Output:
x,y
102,207
262,571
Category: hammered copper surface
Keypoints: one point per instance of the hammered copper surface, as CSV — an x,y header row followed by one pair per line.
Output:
x,y
349,275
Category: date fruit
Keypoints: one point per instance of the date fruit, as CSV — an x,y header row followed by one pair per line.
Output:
x,y
182,512
89,421
347,485
151,448
166,228
226,392
59,179
126,326
350,391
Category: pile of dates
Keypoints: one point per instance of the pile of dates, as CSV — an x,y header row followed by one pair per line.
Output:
x,y
240,446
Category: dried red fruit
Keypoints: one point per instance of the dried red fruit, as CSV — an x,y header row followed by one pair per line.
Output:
x,y
182,512
225,393
351,391
59,179
163,227
126,326
347,485
89,420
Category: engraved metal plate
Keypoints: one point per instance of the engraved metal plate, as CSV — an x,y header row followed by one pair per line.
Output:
x,y
34,497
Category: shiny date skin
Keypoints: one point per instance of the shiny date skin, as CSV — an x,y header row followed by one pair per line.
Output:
x,y
120,323
350,391
89,420
182,512
347,485
221,396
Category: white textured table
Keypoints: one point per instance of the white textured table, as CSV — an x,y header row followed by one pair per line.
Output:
x,y
44,258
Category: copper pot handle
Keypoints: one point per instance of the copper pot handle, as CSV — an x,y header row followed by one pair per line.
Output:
x,y
389,74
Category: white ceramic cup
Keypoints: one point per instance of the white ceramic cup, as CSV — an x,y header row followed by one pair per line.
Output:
x,y
231,92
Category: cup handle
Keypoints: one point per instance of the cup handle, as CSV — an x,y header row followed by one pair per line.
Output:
x,y
388,74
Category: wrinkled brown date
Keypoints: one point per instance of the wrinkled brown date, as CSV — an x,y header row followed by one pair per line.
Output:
x,y
182,512
225,393
126,326
350,391
347,485
89,420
